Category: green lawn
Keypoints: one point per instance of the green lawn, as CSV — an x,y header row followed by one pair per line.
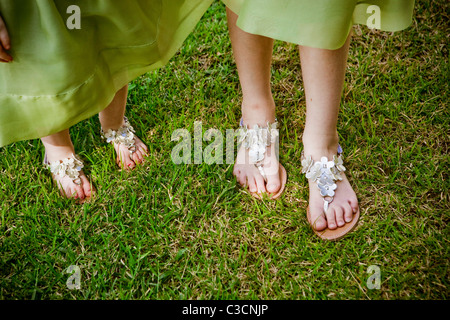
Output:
x,y
167,231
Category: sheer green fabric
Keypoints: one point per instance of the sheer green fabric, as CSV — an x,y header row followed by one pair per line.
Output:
x,y
61,76
319,23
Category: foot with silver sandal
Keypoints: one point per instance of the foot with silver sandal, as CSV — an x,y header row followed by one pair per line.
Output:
x,y
66,167
69,177
333,208
257,166
129,148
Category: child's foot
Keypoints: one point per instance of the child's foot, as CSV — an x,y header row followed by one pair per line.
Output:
x,y
128,160
249,175
130,150
344,205
259,168
67,173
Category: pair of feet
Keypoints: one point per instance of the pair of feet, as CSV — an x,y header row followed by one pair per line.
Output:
x,y
268,177
341,211
80,187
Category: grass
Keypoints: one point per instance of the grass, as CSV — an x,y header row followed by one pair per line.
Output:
x,y
169,231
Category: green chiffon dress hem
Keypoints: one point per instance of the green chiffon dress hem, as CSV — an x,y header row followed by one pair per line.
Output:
x,y
61,76
321,24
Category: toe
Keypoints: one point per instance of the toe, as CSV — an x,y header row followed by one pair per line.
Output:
x,y
252,186
236,172
127,161
339,213
143,151
273,183
72,190
331,218
123,157
240,177
137,157
143,148
86,186
139,143
318,221
78,189
131,165
69,192
260,184
354,205
348,212
79,192
69,189
243,179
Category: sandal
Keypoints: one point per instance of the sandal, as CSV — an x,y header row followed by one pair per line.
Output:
x,y
326,173
69,167
124,135
256,141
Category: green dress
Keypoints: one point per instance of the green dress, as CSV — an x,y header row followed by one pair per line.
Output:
x,y
69,63
319,23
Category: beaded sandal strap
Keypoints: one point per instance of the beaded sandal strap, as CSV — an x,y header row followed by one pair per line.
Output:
x,y
325,173
70,167
124,135
256,140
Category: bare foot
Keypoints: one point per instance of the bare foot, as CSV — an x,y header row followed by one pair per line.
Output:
x,y
344,204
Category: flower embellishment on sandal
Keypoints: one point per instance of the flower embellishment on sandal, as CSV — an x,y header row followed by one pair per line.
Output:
x,y
325,173
257,140
69,167
124,135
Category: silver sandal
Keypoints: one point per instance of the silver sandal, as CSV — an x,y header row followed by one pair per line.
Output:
x,y
325,173
70,167
124,135
256,141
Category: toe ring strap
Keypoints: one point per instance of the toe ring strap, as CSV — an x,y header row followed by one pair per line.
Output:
x,y
326,203
132,150
262,172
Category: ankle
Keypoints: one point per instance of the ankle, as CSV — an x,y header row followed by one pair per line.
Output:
x,y
258,112
320,144
113,125
56,153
